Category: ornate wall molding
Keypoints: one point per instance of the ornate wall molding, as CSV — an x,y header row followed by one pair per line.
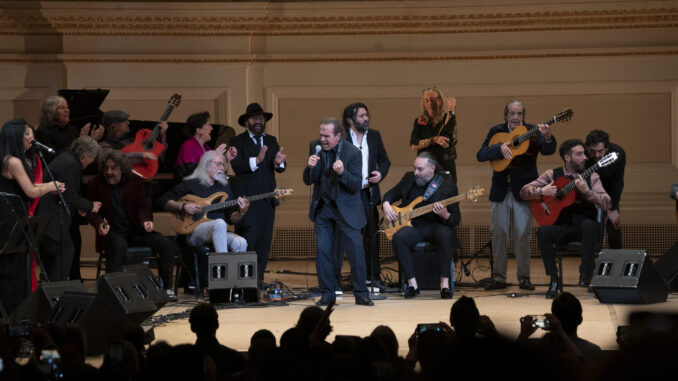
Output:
x,y
45,23
74,59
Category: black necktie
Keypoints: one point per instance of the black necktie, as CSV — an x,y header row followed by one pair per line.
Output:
x,y
258,139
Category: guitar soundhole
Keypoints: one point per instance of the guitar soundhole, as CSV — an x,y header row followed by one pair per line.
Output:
x,y
515,143
148,146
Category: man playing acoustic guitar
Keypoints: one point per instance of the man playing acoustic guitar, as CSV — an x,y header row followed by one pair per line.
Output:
x,y
436,227
507,207
577,221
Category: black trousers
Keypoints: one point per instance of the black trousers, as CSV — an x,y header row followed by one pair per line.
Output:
x,y
443,236
117,243
257,228
587,232
614,239
370,240
77,248
57,257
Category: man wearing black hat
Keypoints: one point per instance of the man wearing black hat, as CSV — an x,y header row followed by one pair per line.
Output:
x,y
116,123
259,157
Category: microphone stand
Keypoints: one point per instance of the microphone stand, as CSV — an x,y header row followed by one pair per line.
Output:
x,y
61,221
372,235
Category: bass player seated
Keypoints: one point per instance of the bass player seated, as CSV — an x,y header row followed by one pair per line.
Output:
x,y
575,222
436,227
209,178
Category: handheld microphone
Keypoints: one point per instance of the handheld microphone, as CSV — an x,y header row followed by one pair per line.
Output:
x,y
42,146
317,149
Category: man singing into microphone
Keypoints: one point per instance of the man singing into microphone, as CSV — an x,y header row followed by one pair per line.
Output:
x,y
336,173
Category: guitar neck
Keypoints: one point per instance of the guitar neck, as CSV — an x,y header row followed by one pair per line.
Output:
x,y
230,203
534,131
414,213
585,175
165,115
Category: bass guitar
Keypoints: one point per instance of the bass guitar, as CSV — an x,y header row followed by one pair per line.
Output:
x,y
146,141
184,223
546,209
519,139
407,213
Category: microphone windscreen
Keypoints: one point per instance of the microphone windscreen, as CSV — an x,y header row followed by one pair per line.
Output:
x,y
317,149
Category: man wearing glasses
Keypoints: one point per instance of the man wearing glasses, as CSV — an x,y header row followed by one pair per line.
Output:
x,y
209,178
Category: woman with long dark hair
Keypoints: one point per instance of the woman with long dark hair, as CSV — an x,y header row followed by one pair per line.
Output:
x,y
16,183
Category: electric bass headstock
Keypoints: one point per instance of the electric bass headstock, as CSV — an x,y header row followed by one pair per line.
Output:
x,y
474,193
281,193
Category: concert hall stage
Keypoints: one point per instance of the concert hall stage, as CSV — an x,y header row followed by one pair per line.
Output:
x,y
238,323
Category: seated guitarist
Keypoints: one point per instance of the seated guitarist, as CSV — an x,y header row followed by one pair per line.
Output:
x,y
116,123
575,222
209,178
436,227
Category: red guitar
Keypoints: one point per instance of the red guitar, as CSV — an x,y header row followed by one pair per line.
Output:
x,y
546,209
145,141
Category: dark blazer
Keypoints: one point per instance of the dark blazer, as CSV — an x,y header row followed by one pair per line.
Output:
x,y
447,189
66,168
377,160
134,199
57,138
246,182
612,176
523,168
348,195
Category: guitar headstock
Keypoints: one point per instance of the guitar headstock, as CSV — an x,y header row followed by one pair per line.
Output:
x,y
175,99
281,193
608,159
474,193
564,115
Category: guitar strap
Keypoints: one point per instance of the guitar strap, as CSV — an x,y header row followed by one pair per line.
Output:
x,y
432,187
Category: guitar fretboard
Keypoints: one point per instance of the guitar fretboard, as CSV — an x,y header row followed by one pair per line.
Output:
x,y
414,213
529,134
165,115
230,203
585,175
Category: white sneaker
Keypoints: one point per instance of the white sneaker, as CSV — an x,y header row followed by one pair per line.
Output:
x,y
172,296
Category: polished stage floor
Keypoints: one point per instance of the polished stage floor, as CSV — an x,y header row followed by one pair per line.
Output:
x,y
239,322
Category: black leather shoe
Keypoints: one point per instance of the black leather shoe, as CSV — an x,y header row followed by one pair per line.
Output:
x,y
525,284
553,289
381,286
496,285
410,292
325,300
584,281
445,293
363,301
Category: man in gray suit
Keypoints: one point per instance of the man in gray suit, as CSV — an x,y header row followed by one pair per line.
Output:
x,y
336,208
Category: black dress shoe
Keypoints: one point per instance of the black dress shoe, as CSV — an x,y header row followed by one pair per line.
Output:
x,y
525,284
553,289
584,281
495,285
363,301
410,292
325,300
445,293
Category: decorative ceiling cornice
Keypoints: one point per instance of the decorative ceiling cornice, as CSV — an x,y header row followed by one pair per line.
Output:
x,y
112,25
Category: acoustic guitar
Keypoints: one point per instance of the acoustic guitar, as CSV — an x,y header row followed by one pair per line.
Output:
x,y
407,213
184,223
519,139
546,209
146,141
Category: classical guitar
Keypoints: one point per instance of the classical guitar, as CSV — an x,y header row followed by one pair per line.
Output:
x,y
146,141
519,139
184,223
407,213
546,209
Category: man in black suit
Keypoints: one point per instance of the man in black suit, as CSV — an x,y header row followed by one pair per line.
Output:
x,y
336,208
612,176
375,161
436,227
507,207
57,247
259,157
